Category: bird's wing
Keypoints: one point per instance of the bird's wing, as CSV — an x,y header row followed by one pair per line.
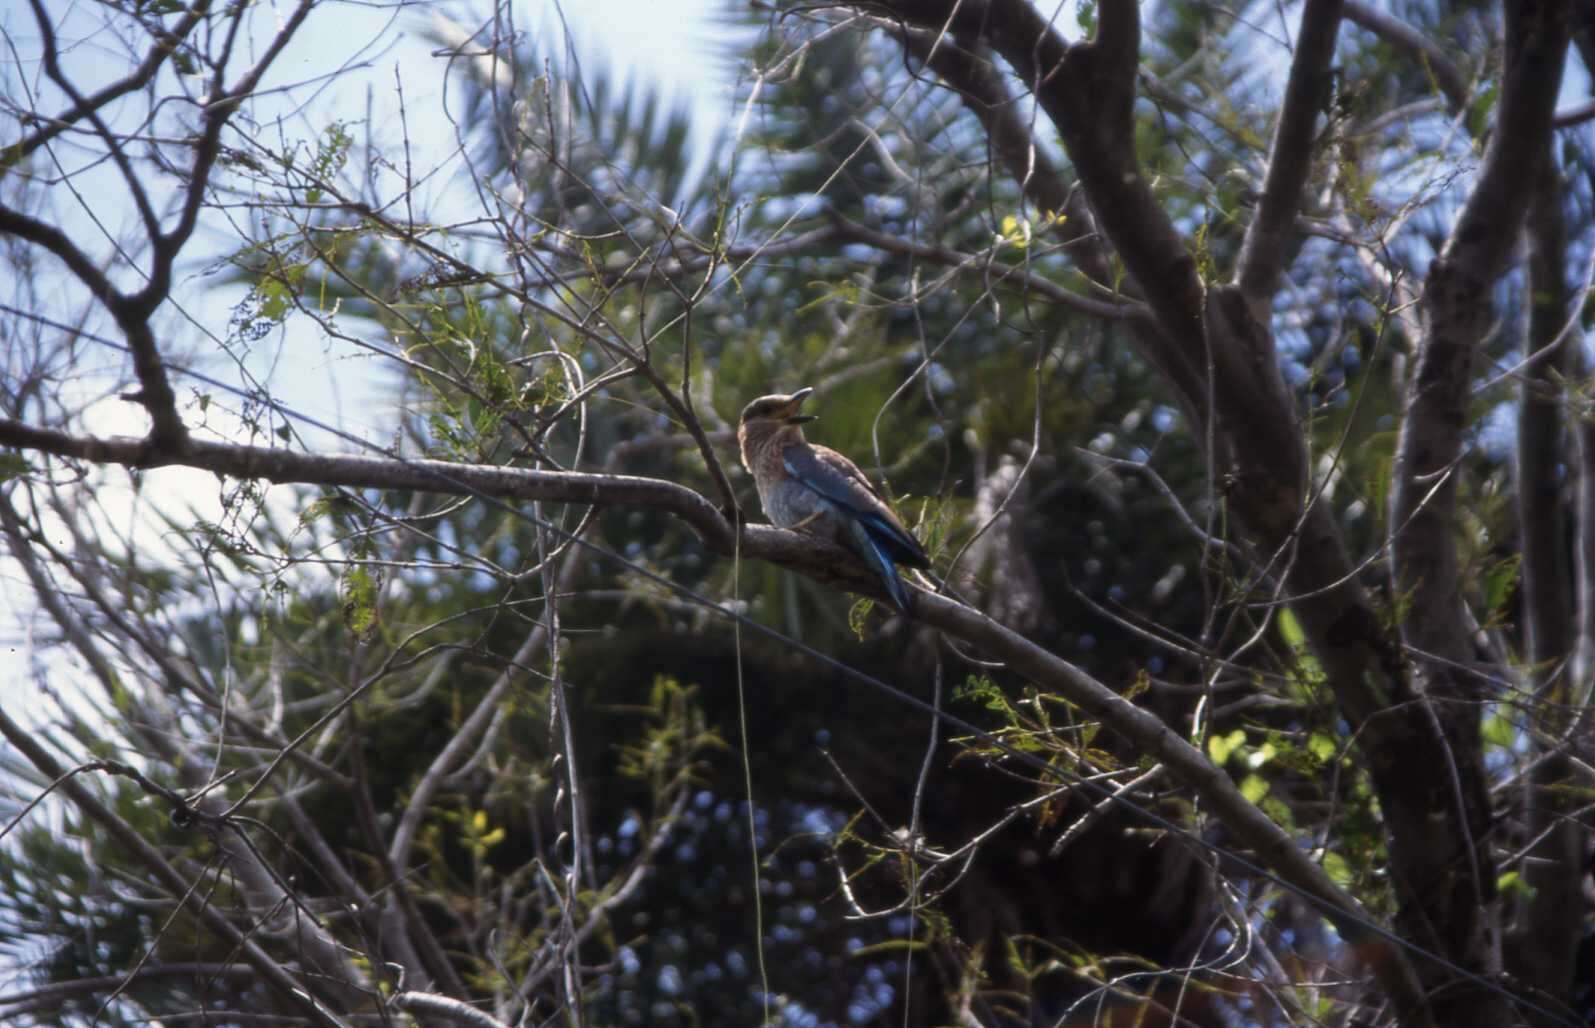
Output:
x,y
839,480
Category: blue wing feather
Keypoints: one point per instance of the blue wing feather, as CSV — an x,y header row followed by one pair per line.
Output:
x,y
867,524
839,480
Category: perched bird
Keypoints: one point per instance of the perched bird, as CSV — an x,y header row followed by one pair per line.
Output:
x,y
815,489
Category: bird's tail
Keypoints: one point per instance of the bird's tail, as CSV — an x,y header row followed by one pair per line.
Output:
x,y
875,556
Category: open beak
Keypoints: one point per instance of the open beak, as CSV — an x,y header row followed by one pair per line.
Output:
x,y
796,418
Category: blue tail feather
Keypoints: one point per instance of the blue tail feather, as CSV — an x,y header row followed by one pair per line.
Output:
x,y
898,544
875,555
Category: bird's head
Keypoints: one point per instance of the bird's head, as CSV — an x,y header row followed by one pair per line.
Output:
x,y
772,419
772,413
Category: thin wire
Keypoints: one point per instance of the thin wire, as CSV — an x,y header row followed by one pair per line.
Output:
x,y
747,778
1336,914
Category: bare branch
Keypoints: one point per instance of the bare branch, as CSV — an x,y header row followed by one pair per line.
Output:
x,y
132,843
52,67
825,561
220,107
51,996
166,44
1543,954
1403,36
1425,567
1290,156
996,271
447,1008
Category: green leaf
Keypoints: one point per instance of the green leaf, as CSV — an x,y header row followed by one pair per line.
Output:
x,y
274,299
12,465
1338,870
1254,787
1220,747
1290,629
1483,107
1322,746
1085,15
1307,672
858,615
1512,884
1261,755
1498,730
982,690
359,588
1500,582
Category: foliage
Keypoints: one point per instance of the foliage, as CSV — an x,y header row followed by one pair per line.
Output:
x,y
454,723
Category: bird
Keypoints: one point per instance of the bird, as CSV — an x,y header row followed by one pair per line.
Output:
x,y
816,490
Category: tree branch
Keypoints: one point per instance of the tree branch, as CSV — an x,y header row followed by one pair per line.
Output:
x,y
1457,309
819,559
984,92
137,847
1087,91
445,1007
155,392
1404,37
998,271
51,996
166,44
1274,847
1456,887
1543,955
1290,155
221,106
52,68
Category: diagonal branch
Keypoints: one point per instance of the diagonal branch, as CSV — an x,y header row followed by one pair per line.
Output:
x,y
1403,36
984,91
1290,155
818,559
166,43
1088,92
52,68
998,271
155,391
140,849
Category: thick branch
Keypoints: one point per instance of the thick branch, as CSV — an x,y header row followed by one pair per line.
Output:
x,y
1403,36
982,87
155,389
1273,846
445,1008
1457,310
1088,92
1290,156
822,560
1456,888
1551,914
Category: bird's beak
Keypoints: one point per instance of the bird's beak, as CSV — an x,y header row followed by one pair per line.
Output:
x,y
796,418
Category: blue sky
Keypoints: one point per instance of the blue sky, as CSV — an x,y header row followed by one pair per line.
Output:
x,y
664,44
